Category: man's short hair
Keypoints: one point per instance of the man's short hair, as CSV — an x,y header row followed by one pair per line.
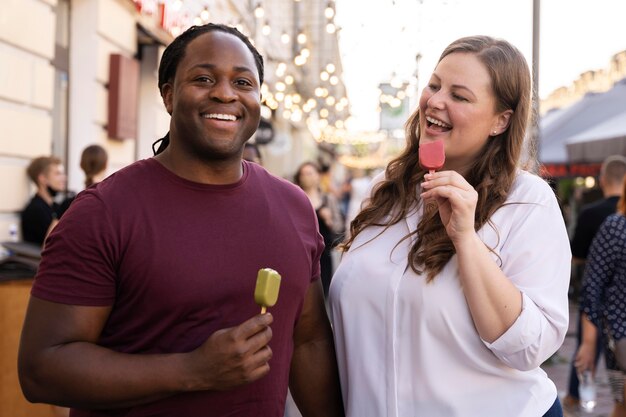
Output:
x,y
40,166
613,169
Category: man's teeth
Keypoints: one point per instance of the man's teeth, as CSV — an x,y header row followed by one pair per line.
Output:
x,y
220,116
438,122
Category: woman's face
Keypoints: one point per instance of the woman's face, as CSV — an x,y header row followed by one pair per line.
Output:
x,y
458,106
309,177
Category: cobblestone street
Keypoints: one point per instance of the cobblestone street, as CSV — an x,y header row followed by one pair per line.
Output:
x,y
558,370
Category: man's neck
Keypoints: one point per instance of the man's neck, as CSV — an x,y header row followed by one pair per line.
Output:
x,y
213,172
43,193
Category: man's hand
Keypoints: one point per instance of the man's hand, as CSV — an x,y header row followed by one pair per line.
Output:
x,y
233,356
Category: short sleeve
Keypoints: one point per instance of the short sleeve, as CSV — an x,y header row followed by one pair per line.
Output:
x,y
78,264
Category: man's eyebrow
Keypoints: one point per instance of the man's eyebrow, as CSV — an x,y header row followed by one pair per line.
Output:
x,y
213,66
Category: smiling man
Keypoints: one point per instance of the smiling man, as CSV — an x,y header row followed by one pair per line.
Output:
x,y
143,304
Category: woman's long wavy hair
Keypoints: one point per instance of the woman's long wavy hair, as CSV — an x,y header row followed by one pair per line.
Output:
x,y
491,174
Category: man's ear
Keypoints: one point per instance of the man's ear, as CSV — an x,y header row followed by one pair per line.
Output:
x,y
166,95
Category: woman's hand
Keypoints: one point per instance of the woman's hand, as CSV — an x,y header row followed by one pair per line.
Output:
x,y
585,358
456,200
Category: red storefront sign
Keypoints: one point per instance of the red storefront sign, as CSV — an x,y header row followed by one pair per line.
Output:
x,y
570,170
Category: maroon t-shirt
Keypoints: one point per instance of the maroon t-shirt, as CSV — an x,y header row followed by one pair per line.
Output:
x,y
178,260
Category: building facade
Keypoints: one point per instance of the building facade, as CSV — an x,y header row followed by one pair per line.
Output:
x,y
81,72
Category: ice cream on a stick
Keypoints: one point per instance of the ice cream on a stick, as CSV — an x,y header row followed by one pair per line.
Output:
x,y
267,286
432,155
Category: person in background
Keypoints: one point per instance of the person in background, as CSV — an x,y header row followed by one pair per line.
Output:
x,y
453,289
590,217
48,175
328,215
144,300
93,162
252,153
358,189
603,304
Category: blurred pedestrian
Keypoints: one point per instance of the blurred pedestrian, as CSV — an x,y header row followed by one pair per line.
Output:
x,y
590,217
328,215
48,175
603,303
143,303
252,153
358,189
453,289
93,162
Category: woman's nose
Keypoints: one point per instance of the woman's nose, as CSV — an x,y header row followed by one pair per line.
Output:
x,y
437,100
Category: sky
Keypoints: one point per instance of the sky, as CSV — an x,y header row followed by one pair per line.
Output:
x,y
381,37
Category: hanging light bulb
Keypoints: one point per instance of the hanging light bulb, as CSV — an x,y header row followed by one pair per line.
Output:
x,y
289,79
197,21
266,29
330,28
330,68
204,14
284,38
300,60
301,38
258,11
329,12
280,69
334,80
305,53
324,76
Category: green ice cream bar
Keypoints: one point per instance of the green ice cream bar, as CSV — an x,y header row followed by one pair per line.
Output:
x,y
267,286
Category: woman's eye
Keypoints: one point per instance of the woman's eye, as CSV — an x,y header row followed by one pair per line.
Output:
x,y
204,79
433,87
458,97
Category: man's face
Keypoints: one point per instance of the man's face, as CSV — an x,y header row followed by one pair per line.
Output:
x,y
54,177
214,99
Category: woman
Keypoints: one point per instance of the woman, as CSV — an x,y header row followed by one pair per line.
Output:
x,y
328,215
93,162
603,305
453,289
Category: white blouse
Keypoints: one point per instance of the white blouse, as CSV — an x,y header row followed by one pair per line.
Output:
x,y
406,347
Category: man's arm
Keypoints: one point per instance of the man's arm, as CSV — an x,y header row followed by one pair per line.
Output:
x,y
60,362
314,377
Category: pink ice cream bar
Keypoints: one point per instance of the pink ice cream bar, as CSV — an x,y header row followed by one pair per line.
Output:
x,y
432,155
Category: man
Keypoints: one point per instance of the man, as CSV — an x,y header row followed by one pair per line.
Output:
x,y
48,175
588,222
144,305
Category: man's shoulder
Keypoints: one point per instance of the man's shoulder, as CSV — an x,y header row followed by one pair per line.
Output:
x,y
598,208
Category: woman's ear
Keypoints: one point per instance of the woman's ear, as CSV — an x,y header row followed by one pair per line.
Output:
x,y
502,122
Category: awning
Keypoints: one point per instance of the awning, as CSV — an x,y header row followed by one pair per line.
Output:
x,y
556,128
597,143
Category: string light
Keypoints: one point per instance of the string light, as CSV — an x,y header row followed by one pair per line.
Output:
x,y
285,38
205,15
330,28
259,12
266,29
329,12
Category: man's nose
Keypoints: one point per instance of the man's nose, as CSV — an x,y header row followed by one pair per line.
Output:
x,y
223,91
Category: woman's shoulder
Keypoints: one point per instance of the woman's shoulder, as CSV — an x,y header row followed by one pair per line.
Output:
x,y
530,188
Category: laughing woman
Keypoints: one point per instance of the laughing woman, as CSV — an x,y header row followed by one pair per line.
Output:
x,y
453,289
